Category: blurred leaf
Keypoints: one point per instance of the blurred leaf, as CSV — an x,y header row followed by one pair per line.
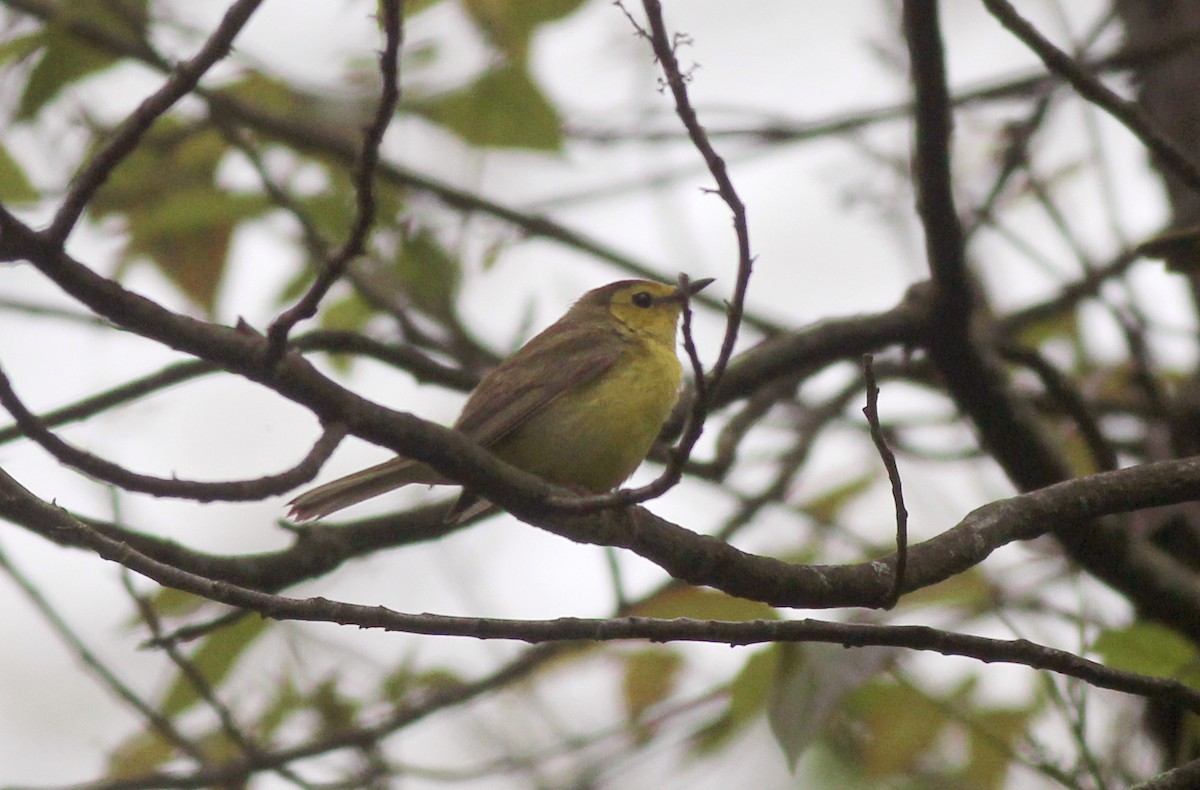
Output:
x,y
747,699
217,746
187,235
350,313
901,726
215,657
169,602
1075,450
414,7
175,214
650,677
265,93
1064,324
19,48
403,684
340,115
503,108
992,737
827,506
509,24
14,184
335,710
430,274
285,702
811,679
970,590
702,604
1149,649
67,58
139,755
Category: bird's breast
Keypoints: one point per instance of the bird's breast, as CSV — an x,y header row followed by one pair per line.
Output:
x,y
595,436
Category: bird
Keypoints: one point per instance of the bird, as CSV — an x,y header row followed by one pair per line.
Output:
x,y
579,405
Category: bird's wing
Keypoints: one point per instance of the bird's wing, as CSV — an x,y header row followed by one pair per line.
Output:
x,y
546,367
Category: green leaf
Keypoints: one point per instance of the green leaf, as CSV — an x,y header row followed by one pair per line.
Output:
x,y
285,702
1178,248
431,275
176,215
139,755
1150,649
991,742
827,505
186,235
970,590
348,314
509,24
650,677
66,57
334,710
701,604
403,684
901,725
503,108
337,115
747,697
215,657
811,681
14,184
1059,325
19,48
169,602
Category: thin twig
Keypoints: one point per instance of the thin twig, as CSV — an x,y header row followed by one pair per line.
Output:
x,y
871,410
228,491
364,185
403,357
1089,87
200,684
664,51
154,720
1063,391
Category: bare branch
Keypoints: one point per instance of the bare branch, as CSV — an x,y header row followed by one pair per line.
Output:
x,y
231,491
571,629
871,410
1090,88
364,185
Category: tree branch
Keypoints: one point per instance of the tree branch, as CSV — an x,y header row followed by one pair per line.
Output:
x,y
1126,112
365,171
109,472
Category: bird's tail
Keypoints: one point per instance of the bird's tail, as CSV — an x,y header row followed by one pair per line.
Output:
x,y
360,486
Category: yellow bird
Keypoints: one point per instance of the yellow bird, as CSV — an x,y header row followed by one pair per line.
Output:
x,y
579,405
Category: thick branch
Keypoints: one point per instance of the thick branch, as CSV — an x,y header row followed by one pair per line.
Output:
x,y
12,495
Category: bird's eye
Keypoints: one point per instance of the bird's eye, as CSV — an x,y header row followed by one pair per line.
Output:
x,y
642,299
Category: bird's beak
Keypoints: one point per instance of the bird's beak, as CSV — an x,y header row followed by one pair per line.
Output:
x,y
692,288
